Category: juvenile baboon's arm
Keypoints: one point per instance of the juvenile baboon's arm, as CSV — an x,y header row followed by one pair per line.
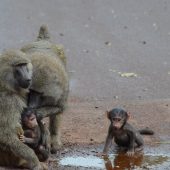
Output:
x,y
108,141
131,148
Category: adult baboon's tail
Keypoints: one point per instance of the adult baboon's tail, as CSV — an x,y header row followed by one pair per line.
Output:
x,y
43,33
146,131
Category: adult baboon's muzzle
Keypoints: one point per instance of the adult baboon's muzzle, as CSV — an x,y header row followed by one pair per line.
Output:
x,y
25,84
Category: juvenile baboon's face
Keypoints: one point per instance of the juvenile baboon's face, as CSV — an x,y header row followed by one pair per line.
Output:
x,y
23,75
117,117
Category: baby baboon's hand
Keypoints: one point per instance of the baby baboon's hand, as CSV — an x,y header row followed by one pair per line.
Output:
x,y
22,138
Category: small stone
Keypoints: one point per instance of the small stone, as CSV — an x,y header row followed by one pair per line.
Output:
x,y
115,97
86,51
143,42
155,26
125,27
108,43
61,34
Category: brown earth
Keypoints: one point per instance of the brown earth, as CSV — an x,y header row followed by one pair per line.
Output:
x,y
85,124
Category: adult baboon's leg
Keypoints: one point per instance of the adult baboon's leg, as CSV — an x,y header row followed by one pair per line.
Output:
x,y
9,159
55,123
24,152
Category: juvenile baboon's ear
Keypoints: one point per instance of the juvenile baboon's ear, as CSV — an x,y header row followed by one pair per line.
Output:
x,y
107,114
128,115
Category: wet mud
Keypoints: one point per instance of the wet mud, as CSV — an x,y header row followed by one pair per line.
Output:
x,y
80,157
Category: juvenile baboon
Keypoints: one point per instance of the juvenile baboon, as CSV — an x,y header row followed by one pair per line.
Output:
x,y
124,134
50,79
15,79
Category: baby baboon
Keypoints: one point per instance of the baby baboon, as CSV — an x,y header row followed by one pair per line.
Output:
x,y
15,79
50,79
36,134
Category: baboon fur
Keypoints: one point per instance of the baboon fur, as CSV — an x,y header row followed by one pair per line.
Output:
x,y
49,77
12,101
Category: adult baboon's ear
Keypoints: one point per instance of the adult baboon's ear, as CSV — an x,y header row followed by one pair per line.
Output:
x,y
107,114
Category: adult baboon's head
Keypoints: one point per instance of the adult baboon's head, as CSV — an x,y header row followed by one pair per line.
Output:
x,y
15,70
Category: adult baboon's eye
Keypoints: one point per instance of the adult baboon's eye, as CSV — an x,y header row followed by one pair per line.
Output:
x,y
17,72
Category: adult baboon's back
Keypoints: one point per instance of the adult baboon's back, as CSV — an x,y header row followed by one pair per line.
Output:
x,y
15,78
50,78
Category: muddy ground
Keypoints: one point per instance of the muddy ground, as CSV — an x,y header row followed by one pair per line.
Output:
x,y
84,128
103,40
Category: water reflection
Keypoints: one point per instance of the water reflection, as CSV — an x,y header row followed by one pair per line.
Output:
x,y
119,161
122,162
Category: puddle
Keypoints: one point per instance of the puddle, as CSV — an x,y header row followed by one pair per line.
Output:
x,y
89,161
119,162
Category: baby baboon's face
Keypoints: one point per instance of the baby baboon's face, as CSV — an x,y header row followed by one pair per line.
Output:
x,y
30,121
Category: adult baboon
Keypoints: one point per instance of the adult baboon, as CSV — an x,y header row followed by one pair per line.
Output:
x,y
15,79
49,78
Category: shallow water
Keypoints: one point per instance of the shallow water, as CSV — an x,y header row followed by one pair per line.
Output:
x,y
119,161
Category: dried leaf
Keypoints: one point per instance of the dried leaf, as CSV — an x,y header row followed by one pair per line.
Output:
x,y
128,74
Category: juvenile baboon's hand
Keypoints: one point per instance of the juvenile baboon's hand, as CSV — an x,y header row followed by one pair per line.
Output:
x,y
100,154
130,152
